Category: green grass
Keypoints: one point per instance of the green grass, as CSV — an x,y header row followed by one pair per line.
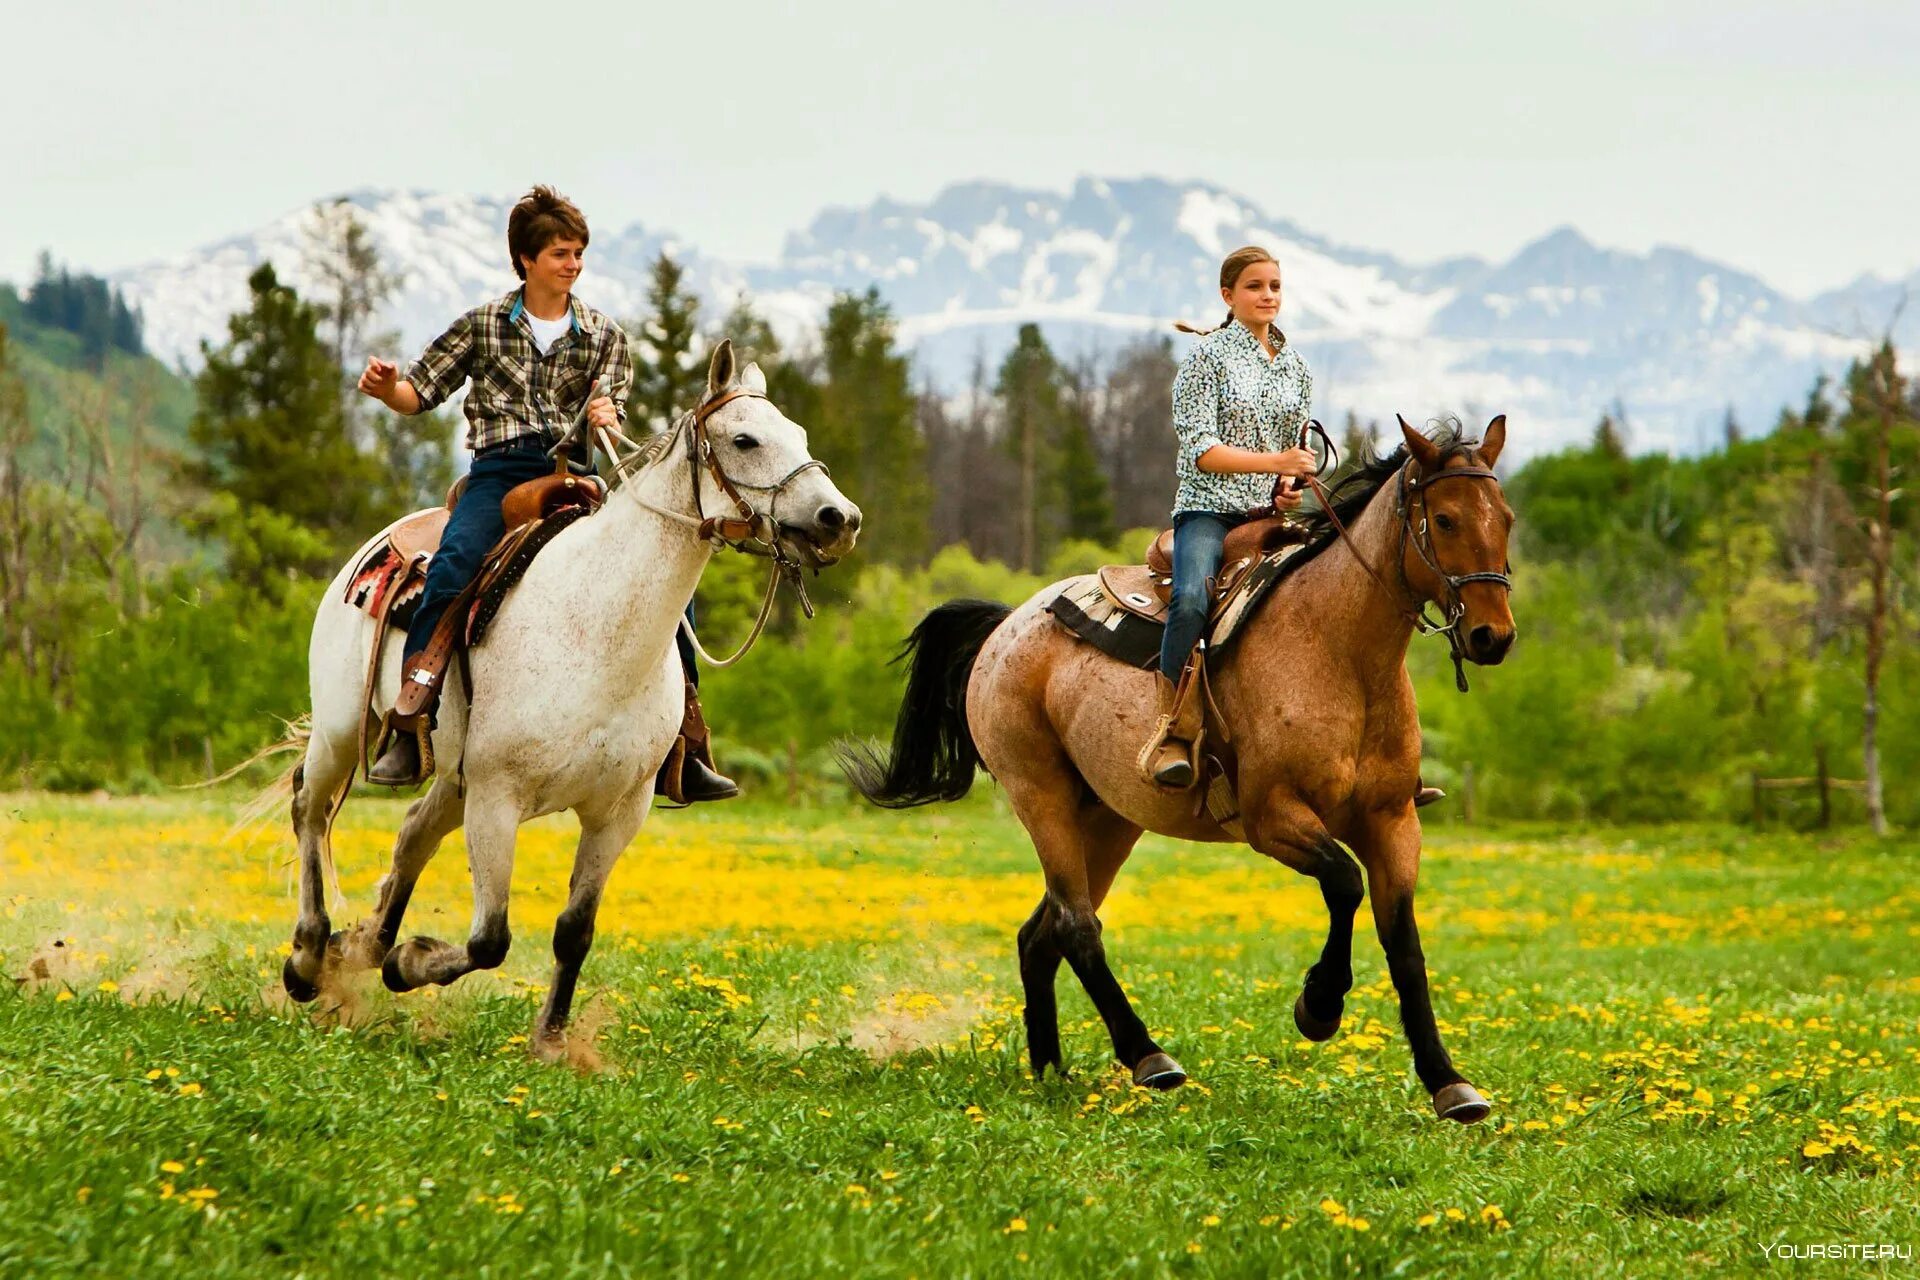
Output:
x,y
1663,1019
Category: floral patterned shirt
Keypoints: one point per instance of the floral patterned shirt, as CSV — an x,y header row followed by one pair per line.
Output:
x,y
1228,392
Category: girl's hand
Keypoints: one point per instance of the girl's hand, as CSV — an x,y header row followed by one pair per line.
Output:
x,y
1293,462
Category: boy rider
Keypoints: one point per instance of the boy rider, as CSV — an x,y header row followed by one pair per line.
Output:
x,y
531,357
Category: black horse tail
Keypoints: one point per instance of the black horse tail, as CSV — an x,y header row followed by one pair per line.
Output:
x,y
933,756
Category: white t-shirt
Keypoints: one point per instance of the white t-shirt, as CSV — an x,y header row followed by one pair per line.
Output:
x,y
547,332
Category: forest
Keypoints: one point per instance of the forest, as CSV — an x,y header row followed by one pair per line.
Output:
x,y
1687,624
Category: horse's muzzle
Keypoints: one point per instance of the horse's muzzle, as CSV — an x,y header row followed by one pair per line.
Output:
x,y
824,539
1487,645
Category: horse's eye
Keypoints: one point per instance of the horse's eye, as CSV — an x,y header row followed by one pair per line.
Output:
x,y
1445,522
744,443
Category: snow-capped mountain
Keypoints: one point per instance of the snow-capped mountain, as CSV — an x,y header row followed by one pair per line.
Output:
x,y
1551,337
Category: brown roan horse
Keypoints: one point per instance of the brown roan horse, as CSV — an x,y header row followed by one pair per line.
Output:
x,y
1315,695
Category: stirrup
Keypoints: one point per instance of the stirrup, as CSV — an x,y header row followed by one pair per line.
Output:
x,y
406,751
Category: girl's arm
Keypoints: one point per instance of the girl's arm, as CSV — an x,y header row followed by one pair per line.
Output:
x,y
1233,460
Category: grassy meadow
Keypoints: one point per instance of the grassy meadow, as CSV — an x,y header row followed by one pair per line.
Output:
x,y
800,1054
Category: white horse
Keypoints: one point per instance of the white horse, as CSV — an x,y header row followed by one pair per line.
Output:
x,y
576,697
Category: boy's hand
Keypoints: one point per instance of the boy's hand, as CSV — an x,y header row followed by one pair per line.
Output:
x,y
600,413
380,379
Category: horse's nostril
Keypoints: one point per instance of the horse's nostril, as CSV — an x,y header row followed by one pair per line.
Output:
x,y
1480,638
831,517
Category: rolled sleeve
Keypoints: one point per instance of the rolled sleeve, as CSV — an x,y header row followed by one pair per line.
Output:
x,y
1196,401
444,365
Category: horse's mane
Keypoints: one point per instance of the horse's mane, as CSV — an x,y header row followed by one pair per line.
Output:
x,y
1350,494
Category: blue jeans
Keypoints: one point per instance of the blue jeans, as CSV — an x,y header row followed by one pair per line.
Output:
x,y
1197,540
476,524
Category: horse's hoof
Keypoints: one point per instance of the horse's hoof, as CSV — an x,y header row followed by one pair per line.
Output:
x,y
549,1046
1311,1027
1158,1071
299,990
1461,1102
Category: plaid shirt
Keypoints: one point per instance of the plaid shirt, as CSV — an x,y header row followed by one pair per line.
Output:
x,y
516,390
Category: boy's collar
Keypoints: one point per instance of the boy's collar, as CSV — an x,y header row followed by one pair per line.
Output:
x,y
575,309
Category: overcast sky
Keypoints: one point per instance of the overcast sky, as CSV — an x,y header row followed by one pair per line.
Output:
x,y
1778,137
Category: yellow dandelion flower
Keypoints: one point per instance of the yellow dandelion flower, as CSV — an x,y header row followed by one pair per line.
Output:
x,y
1426,1220
63,997
172,1166
1332,1206
109,986
1211,1220
1193,1246
189,1090
1455,1215
1014,1227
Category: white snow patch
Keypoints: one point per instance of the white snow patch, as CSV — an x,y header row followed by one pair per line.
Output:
x,y
1203,214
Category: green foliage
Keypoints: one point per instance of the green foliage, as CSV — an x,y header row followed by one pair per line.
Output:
x,y
864,425
269,429
667,378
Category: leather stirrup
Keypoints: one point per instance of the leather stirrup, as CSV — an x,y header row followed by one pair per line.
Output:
x,y
1171,758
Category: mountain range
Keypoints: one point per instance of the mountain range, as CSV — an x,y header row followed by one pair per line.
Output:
x,y
1555,335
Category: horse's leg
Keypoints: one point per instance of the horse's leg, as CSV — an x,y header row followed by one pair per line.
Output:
x,y
1291,834
601,844
429,820
1390,848
317,780
1067,835
491,826
1109,840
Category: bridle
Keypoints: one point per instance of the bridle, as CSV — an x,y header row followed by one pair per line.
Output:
x,y
749,531
1409,492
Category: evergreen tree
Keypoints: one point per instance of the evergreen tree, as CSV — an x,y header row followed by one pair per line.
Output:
x,y
1047,442
667,376
269,427
866,429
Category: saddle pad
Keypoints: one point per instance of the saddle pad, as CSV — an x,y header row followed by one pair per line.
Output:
x,y
507,562
1088,611
387,584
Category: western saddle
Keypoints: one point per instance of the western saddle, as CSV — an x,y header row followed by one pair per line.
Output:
x,y
391,576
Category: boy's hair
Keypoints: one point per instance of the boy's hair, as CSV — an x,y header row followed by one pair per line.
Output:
x,y
542,216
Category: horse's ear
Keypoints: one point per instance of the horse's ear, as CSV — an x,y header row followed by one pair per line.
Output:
x,y
1495,441
720,369
753,380
1424,451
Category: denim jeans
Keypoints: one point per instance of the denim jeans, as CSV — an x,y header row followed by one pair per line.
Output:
x,y
1197,540
476,524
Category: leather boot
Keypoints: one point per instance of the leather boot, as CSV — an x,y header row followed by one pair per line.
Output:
x,y
1169,757
402,763
688,775
1424,795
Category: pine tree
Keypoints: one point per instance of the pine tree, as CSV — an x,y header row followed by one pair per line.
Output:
x,y
1047,442
667,377
866,428
1139,406
269,427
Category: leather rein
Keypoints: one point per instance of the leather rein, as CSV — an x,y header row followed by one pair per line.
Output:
x,y
756,533
1409,490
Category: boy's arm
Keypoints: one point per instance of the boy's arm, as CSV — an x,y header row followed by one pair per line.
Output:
x,y
383,382
437,374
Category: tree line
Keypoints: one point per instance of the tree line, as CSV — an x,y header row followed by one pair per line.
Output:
x,y
1685,622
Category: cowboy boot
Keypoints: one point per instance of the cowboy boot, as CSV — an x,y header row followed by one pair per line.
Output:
x,y
410,720
1424,795
1169,757
688,776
